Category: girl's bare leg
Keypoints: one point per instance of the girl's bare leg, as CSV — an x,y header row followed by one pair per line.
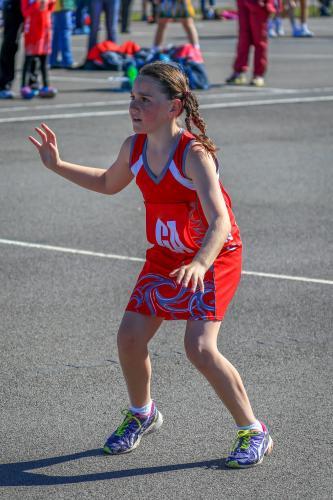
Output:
x,y
135,331
191,31
201,349
304,11
160,32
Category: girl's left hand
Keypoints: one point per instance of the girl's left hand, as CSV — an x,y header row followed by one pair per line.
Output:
x,y
193,272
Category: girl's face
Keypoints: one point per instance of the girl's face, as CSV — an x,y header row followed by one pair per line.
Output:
x,y
150,108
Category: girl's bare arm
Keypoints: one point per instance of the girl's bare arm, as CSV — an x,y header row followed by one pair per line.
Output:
x,y
105,181
201,168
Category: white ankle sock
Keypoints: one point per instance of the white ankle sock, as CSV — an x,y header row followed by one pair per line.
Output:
x,y
255,426
143,410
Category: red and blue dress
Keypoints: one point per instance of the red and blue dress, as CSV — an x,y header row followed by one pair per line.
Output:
x,y
175,227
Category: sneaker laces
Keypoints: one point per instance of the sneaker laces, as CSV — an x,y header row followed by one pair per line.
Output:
x,y
129,418
242,441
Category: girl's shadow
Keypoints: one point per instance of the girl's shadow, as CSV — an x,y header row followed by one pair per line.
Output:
x,y
19,474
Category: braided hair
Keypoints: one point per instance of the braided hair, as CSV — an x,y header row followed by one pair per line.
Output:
x,y
174,84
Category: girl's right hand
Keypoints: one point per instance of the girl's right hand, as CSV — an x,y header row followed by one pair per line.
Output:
x,y
48,149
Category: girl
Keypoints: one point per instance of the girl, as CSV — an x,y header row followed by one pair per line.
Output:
x,y
37,44
193,268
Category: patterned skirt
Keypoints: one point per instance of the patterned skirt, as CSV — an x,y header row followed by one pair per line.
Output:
x,y
176,9
157,294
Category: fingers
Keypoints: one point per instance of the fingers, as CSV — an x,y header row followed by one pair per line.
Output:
x,y
186,275
50,134
201,284
42,134
34,141
180,275
194,281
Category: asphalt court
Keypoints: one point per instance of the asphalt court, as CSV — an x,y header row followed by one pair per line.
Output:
x,y
69,259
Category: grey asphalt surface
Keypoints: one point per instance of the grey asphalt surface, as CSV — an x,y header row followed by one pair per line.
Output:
x,y
62,388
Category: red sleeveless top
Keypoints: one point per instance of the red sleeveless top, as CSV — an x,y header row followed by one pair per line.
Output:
x,y
175,221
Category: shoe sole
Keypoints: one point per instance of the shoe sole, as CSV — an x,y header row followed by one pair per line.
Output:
x,y
268,451
152,428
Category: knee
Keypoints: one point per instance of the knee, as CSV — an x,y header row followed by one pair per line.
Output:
x,y
130,341
201,355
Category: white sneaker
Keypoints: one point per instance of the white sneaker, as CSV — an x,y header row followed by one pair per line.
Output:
x,y
257,81
303,32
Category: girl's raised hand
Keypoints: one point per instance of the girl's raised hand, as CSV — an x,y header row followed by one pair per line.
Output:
x,y
193,272
47,149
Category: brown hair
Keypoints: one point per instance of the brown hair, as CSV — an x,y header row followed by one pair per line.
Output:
x,y
174,85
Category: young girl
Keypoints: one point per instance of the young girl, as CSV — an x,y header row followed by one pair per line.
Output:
x,y
194,265
37,44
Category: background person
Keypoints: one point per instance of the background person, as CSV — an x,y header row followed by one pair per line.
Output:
x,y
299,30
111,13
62,34
253,18
169,10
12,28
37,45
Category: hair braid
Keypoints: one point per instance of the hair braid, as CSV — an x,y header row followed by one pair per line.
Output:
x,y
191,107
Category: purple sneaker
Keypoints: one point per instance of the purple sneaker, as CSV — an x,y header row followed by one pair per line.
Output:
x,y
128,435
28,93
47,92
250,448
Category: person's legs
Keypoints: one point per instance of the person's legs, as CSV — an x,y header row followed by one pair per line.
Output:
x,y
55,39
244,38
66,38
160,32
201,349
304,11
258,22
95,10
191,31
125,15
12,23
43,70
80,4
142,416
26,70
135,331
111,8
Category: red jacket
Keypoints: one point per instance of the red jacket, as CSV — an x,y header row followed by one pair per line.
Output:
x,y
37,26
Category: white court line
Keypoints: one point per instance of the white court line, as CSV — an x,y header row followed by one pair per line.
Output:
x,y
264,102
246,92
137,259
223,95
67,105
100,104
79,79
297,57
